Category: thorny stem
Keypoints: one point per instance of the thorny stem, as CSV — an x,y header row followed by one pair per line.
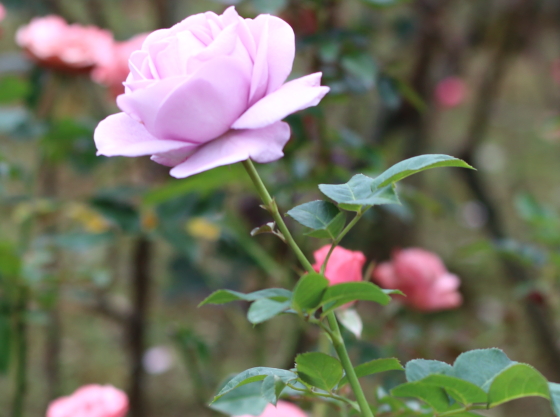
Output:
x,y
335,334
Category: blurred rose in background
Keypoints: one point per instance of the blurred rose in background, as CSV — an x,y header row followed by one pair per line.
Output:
x,y
422,276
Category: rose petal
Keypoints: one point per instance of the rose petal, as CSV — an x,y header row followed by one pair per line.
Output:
x,y
261,145
280,47
120,135
293,96
204,107
143,104
174,157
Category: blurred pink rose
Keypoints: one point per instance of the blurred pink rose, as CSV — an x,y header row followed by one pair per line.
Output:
x,y
91,401
282,409
344,265
53,43
451,92
209,92
422,276
2,12
113,69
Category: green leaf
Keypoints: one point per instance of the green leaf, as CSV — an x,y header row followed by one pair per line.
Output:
x,y
227,296
481,366
517,381
555,397
374,367
357,193
460,390
323,217
245,400
340,294
272,388
435,397
414,165
332,230
418,369
253,375
309,292
319,370
265,309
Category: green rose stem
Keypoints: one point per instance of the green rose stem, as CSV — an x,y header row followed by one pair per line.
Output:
x,y
334,333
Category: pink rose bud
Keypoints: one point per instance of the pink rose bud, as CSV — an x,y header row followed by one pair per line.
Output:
x,y
343,266
282,409
91,401
451,92
422,276
53,43
112,70
209,91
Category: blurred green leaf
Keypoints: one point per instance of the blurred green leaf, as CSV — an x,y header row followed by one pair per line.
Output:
x,y
253,375
415,165
388,90
555,397
434,396
269,6
5,340
13,88
203,183
272,388
227,296
309,291
121,213
339,294
361,67
418,369
374,367
462,391
265,309
517,381
481,366
245,400
357,194
323,217
319,370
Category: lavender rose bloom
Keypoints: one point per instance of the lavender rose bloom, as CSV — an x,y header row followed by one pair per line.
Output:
x,y
209,91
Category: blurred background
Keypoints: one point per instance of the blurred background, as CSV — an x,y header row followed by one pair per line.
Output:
x,y
103,261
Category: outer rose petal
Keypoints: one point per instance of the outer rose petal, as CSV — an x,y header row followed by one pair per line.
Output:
x,y
280,48
344,265
293,96
121,135
385,276
261,145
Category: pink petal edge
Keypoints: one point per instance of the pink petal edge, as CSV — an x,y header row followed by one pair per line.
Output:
x,y
121,135
261,145
293,96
